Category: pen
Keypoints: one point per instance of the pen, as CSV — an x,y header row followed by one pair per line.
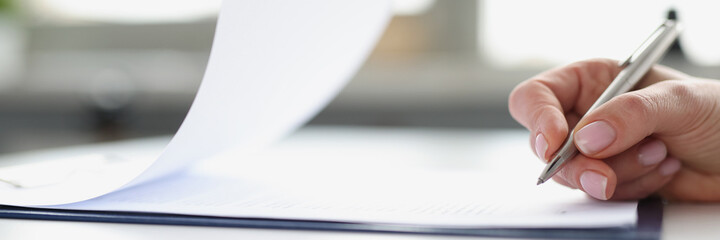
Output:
x,y
634,68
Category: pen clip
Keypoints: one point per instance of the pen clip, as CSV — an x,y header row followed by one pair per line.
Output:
x,y
649,41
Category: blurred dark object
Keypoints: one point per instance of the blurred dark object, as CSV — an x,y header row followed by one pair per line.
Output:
x,y
672,15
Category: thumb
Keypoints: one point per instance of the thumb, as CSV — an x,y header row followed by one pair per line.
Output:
x,y
666,108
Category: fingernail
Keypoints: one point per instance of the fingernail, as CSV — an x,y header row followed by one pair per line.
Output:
x,y
594,137
669,167
594,184
652,153
541,146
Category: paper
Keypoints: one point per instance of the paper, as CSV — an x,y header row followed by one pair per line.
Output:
x,y
273,65
393,203
288,185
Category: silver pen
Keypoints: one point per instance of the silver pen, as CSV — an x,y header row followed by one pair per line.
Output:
x,y
634,68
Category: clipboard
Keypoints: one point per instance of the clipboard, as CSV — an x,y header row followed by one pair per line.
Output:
x,y
650,213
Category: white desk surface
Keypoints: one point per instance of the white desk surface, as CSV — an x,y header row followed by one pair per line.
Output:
x,y
364,147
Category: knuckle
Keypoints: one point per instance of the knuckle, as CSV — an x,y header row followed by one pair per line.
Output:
x,y
597,69
594,64
517,96
689,105
638,105
677,88
515,93
681,91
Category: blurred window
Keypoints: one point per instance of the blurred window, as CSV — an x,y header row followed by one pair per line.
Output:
x,y
518,33
125,11
411,7
148,11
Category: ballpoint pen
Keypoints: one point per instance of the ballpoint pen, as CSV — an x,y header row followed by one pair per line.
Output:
x,y
634,68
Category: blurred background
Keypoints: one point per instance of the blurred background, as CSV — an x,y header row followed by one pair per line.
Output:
x,y
80,71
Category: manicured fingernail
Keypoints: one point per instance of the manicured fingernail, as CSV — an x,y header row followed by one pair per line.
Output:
x,y
594,184
669,167
594,137
651,153
541,146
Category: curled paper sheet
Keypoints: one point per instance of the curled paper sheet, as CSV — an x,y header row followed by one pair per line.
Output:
x,y
273,65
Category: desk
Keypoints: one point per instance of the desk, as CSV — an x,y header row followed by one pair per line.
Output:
x,y
359,148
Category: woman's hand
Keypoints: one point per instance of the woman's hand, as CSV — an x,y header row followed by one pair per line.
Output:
x,y
663,137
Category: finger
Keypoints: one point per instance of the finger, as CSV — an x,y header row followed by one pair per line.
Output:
x,y
541,147
638,161
540,103
649,183
632,164
563,182
534,105
592,176
692,185
665,108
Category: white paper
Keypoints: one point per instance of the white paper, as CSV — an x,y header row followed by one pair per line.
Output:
x,y
285,183
390,203
273,65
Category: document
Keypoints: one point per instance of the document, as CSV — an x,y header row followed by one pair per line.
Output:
x,y
346,175
273,65
432,199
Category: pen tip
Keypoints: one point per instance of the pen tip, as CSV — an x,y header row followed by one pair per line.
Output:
x,y
540,181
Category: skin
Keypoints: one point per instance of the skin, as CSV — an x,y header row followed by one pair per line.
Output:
x,y
672,113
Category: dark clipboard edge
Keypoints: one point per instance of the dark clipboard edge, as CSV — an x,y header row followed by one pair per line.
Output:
x,y
648,228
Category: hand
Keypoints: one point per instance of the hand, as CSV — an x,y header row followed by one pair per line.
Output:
x,y
662,138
